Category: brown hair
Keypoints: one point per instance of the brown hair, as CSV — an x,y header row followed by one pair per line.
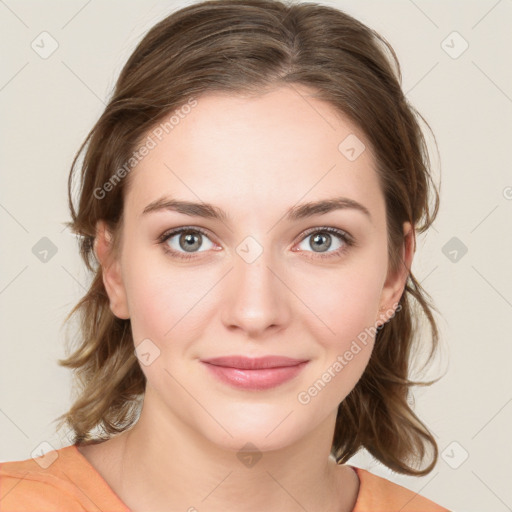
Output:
x,y
250,46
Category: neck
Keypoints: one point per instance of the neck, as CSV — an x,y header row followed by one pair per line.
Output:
x,y
167,465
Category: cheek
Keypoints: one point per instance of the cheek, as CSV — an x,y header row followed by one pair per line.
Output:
x,y
165,301
341,318
340,304
344,341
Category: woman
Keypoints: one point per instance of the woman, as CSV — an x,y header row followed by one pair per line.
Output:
x,y
251,195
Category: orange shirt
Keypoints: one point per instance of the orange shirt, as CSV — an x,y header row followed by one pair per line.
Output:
x,y
65,481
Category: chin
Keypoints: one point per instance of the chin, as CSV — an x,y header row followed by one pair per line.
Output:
x,y
247,441
256,431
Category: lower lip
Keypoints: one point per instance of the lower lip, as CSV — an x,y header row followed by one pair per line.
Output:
x,y
255,379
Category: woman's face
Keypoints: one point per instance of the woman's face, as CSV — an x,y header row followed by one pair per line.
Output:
x,y
265,279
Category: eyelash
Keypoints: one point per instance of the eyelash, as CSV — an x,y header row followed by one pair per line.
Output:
x,y
345,238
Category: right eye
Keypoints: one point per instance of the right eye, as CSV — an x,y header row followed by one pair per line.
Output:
x,y
184,242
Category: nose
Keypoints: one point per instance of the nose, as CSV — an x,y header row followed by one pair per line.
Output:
x,y
256,299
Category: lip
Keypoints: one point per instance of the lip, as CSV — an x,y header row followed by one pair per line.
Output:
x,y
253,363
254,373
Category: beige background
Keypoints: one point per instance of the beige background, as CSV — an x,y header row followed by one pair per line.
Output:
x,y
49,104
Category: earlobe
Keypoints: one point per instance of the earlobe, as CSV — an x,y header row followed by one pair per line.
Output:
x,y
111,271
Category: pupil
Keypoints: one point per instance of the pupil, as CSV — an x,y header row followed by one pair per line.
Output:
x,y
191,241
321,238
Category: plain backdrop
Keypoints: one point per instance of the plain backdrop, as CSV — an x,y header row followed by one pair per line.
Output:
x,y
455,58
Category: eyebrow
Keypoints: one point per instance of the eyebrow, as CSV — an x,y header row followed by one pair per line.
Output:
x,y
294,213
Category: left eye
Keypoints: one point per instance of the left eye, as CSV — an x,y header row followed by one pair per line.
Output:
x,y
321,240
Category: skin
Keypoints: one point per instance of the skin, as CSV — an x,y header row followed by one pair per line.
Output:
x,y
255,158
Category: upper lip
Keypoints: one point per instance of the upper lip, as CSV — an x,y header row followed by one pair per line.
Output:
x,y
253,363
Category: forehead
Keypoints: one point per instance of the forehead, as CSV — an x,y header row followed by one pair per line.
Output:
x,y
242,152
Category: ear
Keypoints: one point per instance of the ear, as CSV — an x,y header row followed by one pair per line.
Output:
x,y
111,271
395,281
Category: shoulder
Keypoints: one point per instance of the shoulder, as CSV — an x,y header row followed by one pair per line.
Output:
x,y
378,493
35,484
56,481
